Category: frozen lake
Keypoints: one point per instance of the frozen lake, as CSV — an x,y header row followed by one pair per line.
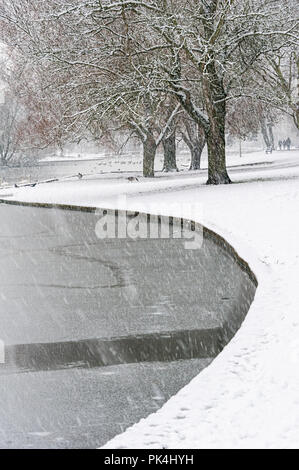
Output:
x,y
101,333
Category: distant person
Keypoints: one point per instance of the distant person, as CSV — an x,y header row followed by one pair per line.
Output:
x,y
280,145
288,143
284,144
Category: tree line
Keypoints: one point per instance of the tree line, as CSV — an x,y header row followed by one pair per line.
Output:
x,y
154,69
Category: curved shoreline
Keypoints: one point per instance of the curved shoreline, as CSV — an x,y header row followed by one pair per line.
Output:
x,y
206,341
142,348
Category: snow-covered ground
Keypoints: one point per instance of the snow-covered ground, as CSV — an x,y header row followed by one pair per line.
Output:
x,y
249,395
108,179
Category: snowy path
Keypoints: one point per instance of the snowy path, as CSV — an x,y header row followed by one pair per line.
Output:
x,y
248,397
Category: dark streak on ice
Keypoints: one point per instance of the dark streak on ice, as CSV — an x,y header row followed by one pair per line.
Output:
x,y
166,347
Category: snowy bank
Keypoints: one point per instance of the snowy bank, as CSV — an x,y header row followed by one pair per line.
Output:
x,y
249,395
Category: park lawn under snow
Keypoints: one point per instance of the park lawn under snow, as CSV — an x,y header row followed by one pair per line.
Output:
x,y
249,395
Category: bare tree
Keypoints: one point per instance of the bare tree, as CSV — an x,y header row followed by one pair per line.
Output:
x,y
215,44
284,74
10,131
247,117
91,75
203,55
194,137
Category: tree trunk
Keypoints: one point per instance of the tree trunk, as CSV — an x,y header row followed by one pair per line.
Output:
x,y
197,149
214,97
217,162
3,160
195,139
296,107
271,135
169,146
149,154
265,135
296,116
196,146
195,158
214,100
